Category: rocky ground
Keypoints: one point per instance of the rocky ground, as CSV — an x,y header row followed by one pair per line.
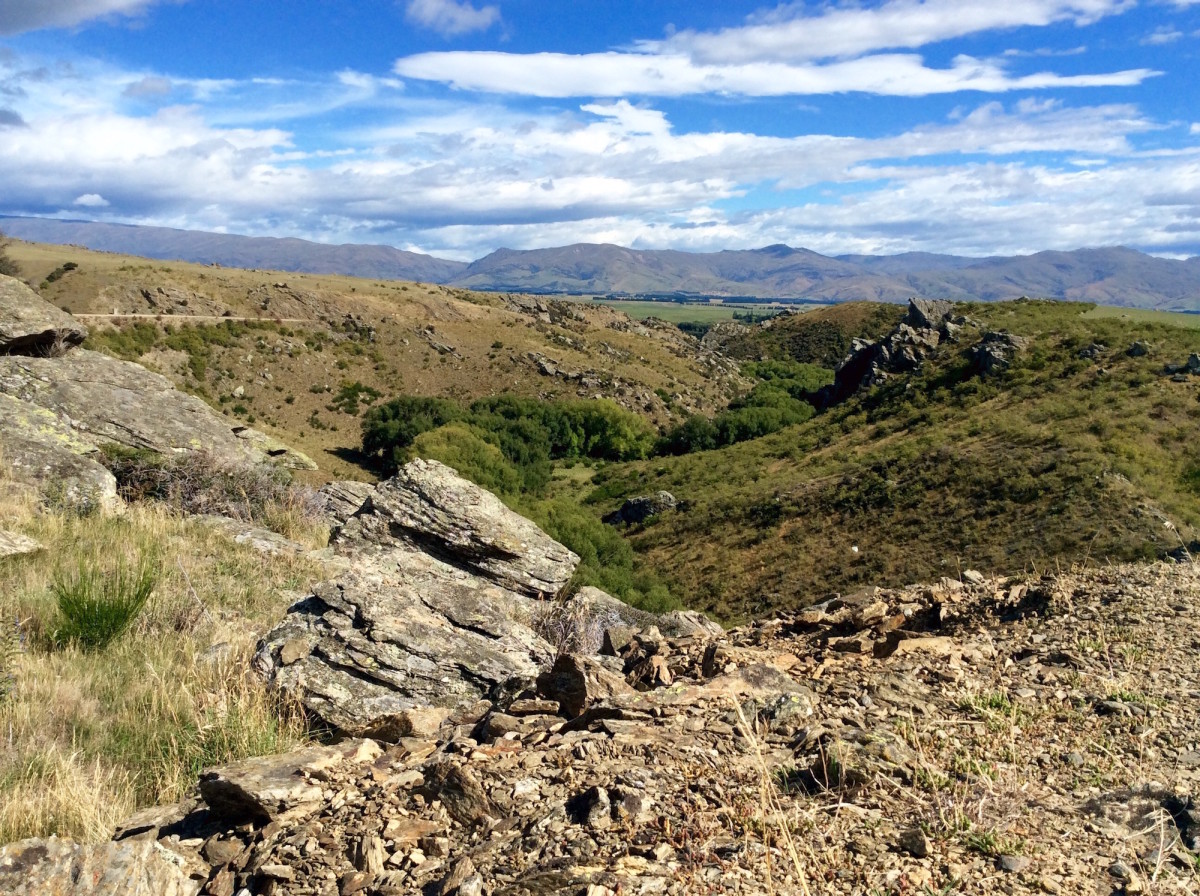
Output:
x,y
981,736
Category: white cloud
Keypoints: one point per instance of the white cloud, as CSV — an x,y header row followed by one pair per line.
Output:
x,y
1162,35
17,16
148,87
558,75
460,178
451,17
788,34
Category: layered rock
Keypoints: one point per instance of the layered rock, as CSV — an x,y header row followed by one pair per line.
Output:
x,y
436,613
430,507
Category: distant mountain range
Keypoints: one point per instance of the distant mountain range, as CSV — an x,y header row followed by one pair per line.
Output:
x,y
1109,276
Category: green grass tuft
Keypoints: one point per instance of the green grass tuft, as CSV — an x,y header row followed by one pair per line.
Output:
x,y
98,603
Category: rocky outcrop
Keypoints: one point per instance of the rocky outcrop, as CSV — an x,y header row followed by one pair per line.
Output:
x,y
106,400
430,507
927,324
340,500
31,326
994,352
435,615
46,455
967,730
638,510
59,406
54,867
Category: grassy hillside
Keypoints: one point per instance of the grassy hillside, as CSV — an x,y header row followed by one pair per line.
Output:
x,y
822,336
1060,459
303,356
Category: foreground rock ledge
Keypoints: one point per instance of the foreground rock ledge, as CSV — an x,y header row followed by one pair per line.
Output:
x,y
973,737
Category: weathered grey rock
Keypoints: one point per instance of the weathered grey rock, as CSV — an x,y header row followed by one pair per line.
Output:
x,y
341,500
275,788
274,450
927,314
639,509
106,400
46,454
995,352
54,867
30,325
387,650
429,506
13,544
577,682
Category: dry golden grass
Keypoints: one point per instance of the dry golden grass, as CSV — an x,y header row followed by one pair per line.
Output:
x,y
86,737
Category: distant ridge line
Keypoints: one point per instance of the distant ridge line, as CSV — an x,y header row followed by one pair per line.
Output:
x,y
1110,276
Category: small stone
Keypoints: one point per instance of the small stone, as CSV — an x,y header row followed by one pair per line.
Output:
x,y
915,843
1013,864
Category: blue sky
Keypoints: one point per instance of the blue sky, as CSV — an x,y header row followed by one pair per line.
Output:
x,y
456,127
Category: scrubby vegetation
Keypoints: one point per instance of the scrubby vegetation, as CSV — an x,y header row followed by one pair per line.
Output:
x,y
783,397
508,445
197,483
1060,458
8,267
528,432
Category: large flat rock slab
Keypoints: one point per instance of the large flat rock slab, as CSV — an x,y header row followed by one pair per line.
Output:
x,y
42,451
54,867
387,650
29,325
106,400
429,506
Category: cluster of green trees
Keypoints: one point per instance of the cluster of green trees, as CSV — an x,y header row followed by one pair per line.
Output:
x,y
8,267
506,444
782,397
527,433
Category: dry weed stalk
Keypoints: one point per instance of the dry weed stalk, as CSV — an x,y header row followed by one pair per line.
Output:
x,y
775,821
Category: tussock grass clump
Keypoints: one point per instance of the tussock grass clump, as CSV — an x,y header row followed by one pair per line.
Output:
x,y
91,735
98,603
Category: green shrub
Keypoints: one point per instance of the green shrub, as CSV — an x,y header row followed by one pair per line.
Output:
x,y
97,604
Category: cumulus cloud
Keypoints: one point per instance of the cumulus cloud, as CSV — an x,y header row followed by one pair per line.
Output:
x,y
91,200
16,17
451,17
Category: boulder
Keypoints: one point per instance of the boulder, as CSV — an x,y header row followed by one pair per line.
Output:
x,y
428,506
278,788
928,314
639,509
106,400
54,867
341,500
13,544
995,352
44,453
31,326
390,648
577,682
274,450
